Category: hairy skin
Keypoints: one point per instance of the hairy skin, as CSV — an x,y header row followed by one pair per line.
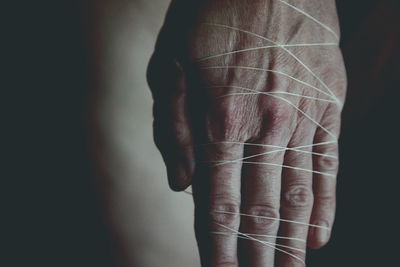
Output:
x,y
204,113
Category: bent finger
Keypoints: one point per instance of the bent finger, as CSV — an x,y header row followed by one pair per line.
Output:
x,y
172,131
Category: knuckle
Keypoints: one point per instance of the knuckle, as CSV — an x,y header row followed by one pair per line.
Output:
x,y
231,124
227,121
327,164
279,116
225,211
225,108
181,133
298,196
261,218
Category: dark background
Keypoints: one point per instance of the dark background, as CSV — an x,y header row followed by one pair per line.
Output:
x,y
366,226
53,217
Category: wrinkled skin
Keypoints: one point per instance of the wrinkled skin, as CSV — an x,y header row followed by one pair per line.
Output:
x,y
203,117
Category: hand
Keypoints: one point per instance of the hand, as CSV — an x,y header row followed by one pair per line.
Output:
x,y
247,103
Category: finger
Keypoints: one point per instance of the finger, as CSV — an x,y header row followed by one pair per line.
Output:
x,y
172,132
296,201
261,186
325,160
217,201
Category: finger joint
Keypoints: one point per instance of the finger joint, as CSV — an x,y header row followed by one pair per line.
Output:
x,y
261,217
298,196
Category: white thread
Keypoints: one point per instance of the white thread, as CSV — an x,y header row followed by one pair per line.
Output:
x,y
262,242
253,144
331,94
289,167
288,51
289,148
264,47
312,18
222,162
266,242
274,92
339,103
268,70
276,244
267,236
275,151
274,219
307,116
302,112
282,93
270,152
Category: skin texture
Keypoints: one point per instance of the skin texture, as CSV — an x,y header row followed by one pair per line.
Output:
x,y
206,114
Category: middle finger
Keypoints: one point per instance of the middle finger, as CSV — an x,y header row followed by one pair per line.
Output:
x,y
261,186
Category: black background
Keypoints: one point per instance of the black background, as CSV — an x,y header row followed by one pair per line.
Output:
x,y
53,217
366,226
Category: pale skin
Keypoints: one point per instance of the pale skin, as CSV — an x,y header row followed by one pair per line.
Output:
x,y
216,109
